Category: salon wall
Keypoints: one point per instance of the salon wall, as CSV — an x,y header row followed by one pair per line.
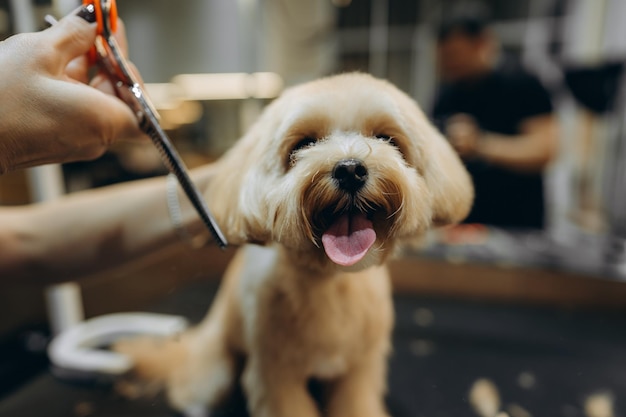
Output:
x,y
173,37
291,38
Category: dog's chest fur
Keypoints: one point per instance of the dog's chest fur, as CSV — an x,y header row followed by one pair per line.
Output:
x,y
325,324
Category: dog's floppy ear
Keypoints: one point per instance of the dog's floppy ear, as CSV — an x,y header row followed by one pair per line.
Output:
x,y
447,179
231,194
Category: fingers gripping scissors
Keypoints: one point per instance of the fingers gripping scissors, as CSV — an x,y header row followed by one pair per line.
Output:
x,y
107,53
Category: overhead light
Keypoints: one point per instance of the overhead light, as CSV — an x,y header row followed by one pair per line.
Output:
x,y
177,101
164,95
188,112
267,84
173,108
229,86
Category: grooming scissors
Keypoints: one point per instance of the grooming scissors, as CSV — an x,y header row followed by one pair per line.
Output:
x,y
108,55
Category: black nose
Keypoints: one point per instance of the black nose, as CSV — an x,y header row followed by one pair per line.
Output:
x,y
350,174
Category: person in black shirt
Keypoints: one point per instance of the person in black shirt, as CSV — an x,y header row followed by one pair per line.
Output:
x,y
500,123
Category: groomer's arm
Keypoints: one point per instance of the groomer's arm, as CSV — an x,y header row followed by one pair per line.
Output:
x,y
530,151
90,231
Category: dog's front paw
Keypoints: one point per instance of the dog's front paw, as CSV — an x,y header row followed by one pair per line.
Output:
x,y
154,360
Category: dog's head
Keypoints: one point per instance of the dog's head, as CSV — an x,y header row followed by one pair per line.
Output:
x,y
337,170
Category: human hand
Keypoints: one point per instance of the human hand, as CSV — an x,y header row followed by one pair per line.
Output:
x,y
464,134
51,111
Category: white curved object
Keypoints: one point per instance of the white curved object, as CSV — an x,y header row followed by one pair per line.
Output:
x,y
79,348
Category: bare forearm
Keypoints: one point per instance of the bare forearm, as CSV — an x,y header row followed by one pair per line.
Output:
x,y
514,153
531,151
87,232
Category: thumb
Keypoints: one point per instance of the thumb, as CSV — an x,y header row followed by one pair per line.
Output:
x,y
72,36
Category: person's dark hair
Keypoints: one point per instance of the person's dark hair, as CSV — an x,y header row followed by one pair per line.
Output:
x,y
470,19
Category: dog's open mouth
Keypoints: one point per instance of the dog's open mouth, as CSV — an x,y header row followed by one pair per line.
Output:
x,y
348,238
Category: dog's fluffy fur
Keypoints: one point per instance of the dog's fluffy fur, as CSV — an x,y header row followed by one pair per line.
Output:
x,y
289,305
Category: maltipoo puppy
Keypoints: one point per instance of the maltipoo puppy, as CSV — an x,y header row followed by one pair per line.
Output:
x,y
331,178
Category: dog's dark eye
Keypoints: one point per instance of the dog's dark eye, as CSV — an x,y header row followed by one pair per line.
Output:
x,y
386,138
303,143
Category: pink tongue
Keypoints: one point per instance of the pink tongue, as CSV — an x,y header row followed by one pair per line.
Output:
x,y
348,239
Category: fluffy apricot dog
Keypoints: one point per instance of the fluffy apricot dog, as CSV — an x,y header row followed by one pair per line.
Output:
x,y
332,177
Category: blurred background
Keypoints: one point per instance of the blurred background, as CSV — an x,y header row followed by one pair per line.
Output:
x,y
545,294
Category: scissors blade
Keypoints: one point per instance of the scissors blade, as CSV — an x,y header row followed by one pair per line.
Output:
x,y
175,164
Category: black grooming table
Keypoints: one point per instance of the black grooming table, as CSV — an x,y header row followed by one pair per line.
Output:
x,y
544,361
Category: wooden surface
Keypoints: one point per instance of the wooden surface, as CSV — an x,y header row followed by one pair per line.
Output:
x,y
131,287
506,284
150,279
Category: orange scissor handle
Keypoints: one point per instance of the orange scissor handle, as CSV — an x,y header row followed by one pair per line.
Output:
x,y
97,4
